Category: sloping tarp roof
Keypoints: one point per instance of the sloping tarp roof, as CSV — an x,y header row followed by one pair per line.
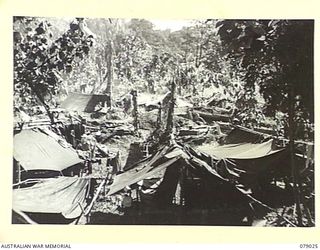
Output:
x,y
155,164
240,150
144,169
239,165
36,150
82,102
63,195
248,162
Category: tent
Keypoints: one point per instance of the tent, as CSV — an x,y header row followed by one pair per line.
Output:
x,y
240,150
63,195
248,164
152,101
144,169
38,149
211,188
250,159
233,170
174,157
83,102
176,186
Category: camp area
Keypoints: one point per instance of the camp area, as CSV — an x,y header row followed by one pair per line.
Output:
x,y
119,122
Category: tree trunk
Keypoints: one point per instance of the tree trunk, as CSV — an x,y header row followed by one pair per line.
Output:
x,y
169,127
294,171
151,89
41,100
135,111
159,119
109,53
179,81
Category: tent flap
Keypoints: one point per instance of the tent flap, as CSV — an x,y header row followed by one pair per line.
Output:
x,y
39,151
239,150
65,195
83,102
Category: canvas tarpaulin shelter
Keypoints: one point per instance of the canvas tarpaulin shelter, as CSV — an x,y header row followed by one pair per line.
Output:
x,y
144,169
240,150
65,195
157,164
246,154
252,165
176,177
36,150
236,165
83,102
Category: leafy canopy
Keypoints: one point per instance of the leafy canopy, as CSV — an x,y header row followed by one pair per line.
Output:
x,y
38,59
276,55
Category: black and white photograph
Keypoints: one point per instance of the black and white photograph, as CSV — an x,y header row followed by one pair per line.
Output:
x,y
193,122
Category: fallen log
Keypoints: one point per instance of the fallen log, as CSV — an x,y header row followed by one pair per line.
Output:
x,y
210,117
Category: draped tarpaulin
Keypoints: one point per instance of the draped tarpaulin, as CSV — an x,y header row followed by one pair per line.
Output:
x,y
236,164
172,165
155,165
240,150
248,163
83,102
65,195
145,169
36,150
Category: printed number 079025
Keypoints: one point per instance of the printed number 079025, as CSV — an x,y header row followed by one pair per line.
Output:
x,y
308,246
